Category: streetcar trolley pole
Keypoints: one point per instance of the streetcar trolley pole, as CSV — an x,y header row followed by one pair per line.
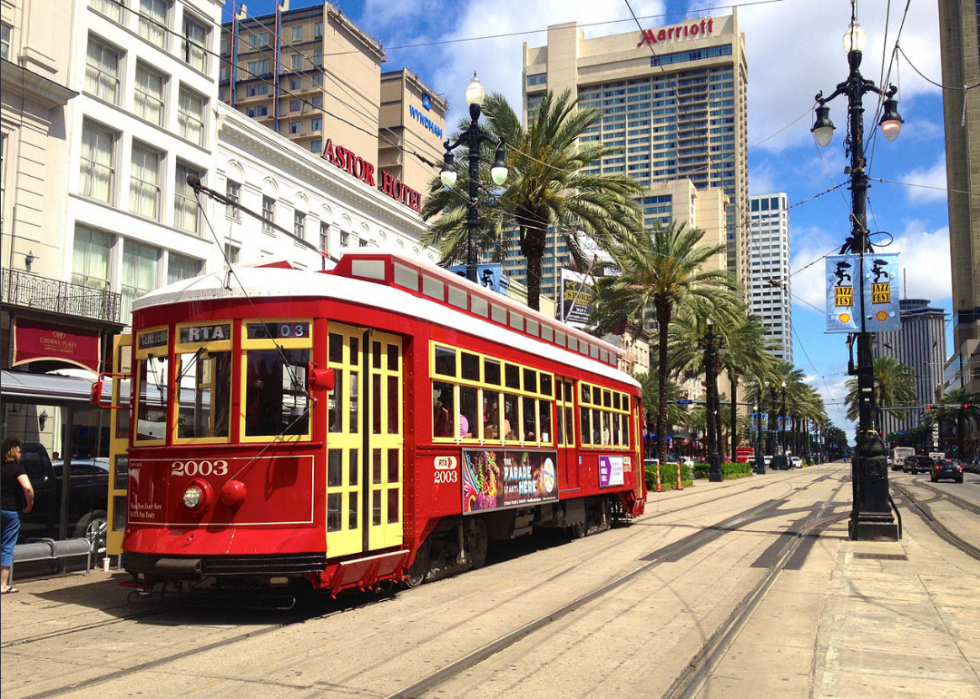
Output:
x,y
871,515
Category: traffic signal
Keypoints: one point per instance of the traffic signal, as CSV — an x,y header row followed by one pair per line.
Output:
x,y
928,408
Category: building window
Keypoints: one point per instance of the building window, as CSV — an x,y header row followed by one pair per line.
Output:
x,y
223,73
316,146
318,30
539,79
262,110
102,71
318,58
295,84
195,44
141,264
190,116
144,182
295,105
185,203
298,32
113,9
232,254
295,127
5,41
153,21
268,213
362,243
297,61
324,236
148,95
299,224
344,239
258,68
180,267
233,191
224,46
317,124
90,258
318,79
98,163
318,101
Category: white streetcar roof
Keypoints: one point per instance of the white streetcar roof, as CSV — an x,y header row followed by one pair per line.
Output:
x,y
269,282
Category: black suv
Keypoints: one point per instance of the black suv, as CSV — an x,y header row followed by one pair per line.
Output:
x,y
87,496
946,469
917,464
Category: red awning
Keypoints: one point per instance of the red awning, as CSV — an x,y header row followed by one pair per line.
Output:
x,y
36,341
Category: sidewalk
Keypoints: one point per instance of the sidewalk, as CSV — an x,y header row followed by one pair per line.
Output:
x,y
862,620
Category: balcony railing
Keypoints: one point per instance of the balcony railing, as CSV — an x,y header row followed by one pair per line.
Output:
x,y
43,294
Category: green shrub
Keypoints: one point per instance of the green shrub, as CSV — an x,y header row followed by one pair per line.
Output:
x,y
728,470
668,477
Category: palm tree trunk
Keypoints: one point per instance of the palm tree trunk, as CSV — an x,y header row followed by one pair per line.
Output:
x,y
533,244
663,321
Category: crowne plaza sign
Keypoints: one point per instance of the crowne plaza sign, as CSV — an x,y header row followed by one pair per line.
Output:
x,y
684,31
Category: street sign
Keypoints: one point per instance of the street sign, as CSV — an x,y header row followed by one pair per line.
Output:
x,y
684,401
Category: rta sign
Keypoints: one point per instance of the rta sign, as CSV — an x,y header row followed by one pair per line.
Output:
x,y
653,36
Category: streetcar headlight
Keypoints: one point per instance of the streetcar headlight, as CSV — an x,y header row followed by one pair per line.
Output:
x,y
193,496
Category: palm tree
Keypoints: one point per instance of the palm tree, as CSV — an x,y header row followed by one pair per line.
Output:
x,y
894,387
650,387
747,353
546,188
660,270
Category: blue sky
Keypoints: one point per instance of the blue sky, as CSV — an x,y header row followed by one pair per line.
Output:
x,y
794,50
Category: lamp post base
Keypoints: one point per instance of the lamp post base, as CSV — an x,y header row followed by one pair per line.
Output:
x,y
871,518
715,474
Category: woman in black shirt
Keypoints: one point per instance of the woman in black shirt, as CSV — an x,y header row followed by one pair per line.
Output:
x,y
16,496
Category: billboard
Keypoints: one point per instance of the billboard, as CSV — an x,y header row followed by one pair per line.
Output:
x,y
577,298
494,480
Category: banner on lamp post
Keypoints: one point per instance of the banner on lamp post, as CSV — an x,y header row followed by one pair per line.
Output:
x,y
881,300
843,308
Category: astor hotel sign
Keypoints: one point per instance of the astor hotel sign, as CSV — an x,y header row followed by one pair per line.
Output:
x,y
363,170
654,36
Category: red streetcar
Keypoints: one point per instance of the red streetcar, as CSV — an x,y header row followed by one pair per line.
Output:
x,y
379,422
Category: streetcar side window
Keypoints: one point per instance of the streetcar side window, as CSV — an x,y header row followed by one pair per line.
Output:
x,y
443,409
152,383
605,415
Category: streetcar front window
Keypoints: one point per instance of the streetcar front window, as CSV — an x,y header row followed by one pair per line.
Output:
x,y
204,394
276,397
151,416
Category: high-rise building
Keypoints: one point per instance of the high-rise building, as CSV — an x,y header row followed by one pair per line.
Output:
x,y
314,77
921,346
769,285
673,97
663,202
959,40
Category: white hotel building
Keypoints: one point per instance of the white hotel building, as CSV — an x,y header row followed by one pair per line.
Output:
x,y
770,285
106,111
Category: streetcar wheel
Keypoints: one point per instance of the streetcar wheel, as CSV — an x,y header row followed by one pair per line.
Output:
x,y
476,542
419,568
577,530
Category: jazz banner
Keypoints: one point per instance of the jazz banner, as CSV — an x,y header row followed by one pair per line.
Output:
x,y
881,297
877,282
843,305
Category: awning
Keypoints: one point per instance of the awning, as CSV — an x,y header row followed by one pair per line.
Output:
x,y
45,389
36,341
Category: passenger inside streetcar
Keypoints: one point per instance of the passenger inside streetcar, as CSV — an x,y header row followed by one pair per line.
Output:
x,y
442,410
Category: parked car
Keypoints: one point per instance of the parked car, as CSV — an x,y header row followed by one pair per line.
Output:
x,y
917,463
87,496
768,459
795,462
946,469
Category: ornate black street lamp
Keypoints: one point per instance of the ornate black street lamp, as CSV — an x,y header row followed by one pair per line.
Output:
x,y
871,516
711,344
473,138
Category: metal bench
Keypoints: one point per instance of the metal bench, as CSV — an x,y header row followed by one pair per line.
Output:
x,y
51,550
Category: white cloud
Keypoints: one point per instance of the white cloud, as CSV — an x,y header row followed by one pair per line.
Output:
x,y
833,389
932,181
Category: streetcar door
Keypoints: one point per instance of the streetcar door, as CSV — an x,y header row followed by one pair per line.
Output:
x,y
345,441
384,478
122,368
364,441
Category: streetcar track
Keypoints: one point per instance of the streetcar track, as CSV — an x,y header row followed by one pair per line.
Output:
x,y
741,520
925,513
668,553
960,502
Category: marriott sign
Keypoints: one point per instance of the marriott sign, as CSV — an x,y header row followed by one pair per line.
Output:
x,y
654,36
